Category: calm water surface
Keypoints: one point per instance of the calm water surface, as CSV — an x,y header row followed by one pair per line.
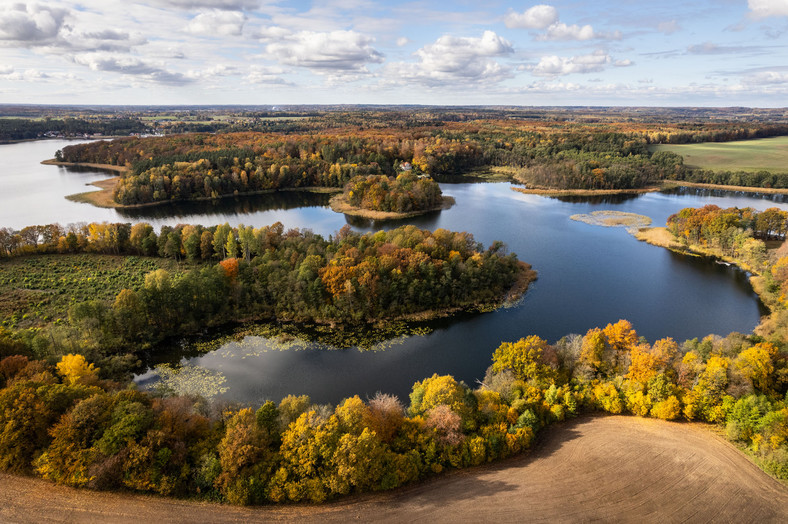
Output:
x,y
588,276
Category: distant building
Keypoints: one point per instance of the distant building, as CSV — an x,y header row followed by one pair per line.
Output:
x,y
405,166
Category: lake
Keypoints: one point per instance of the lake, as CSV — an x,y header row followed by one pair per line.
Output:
x,y
588,276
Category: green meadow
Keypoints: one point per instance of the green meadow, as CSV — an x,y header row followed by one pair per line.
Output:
x,y
765,154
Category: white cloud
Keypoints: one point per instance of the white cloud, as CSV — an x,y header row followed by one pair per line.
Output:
x,y
213,72
272,33
30,25
127,65
402,41
537,17
767,78
216,22
545,17
559,66
623,63
561,31
457,59
33,75
231,5
266,75
326,52
767,8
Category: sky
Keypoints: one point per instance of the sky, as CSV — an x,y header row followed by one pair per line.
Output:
x,y
269,52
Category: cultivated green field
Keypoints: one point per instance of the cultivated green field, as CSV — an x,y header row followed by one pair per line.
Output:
x,y
39,289
765,154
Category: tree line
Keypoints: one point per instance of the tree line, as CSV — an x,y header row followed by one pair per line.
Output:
x,y
184,167
25,129
65,422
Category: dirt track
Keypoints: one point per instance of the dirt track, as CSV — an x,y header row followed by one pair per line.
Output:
x,y
604,468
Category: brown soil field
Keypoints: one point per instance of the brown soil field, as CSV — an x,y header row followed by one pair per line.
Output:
x,y
591,469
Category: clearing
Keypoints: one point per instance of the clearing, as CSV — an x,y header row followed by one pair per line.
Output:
x,y
590,469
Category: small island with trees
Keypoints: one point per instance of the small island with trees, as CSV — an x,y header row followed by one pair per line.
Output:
x,y
382,197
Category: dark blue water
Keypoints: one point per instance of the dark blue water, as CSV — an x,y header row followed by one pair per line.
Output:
x,y
588,276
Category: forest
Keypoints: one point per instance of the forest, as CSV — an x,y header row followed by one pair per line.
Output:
x,y
540,154
22,129
404,194
242,274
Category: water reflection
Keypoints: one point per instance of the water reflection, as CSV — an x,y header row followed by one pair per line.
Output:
x,y
242,205
724,193
597,199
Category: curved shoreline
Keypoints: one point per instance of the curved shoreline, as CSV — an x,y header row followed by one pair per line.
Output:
x,y
339,205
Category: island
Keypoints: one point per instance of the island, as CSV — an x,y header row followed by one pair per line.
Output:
x,y
381,197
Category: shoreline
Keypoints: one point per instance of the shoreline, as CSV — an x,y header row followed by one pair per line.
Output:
x,y
664,185
661,237
669,184
338,204
584,192
107,167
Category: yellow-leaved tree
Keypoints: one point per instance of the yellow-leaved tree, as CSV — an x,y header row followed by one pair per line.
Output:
x,y
76,370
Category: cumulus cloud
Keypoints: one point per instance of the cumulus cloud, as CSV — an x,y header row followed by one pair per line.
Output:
x,y
335,51
33,75
457,59
230,5
538,17
767,78
130,66
30,25
545,17
266,75
213,72
402,41
559,66
217,22
45,28
561,31
623,63
767,8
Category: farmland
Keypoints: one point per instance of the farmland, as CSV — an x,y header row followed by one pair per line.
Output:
x,y
36,290
766,154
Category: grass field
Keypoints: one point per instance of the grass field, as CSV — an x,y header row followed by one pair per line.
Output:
x,y
765,154
39,289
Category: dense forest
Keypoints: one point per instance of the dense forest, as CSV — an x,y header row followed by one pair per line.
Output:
x,y
404,194
22,129
328,149
270,273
